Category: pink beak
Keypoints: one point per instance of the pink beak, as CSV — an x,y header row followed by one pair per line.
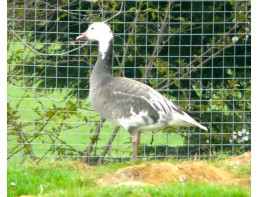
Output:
x,y
83,36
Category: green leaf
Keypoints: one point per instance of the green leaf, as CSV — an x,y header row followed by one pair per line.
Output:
x,y
153,15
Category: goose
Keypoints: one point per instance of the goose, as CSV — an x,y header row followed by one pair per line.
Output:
x,y
128,103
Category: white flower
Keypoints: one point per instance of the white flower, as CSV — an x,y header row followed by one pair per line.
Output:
x,y
234,136
239,133
245,138
13,184
231,141
235,39
243,131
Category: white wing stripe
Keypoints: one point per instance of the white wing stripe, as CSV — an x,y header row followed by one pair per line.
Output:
x,y
159,104
165,105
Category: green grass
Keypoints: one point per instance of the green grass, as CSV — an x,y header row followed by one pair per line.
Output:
x,y
186,190
70,179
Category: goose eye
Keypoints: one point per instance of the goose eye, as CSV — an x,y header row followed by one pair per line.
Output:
x,y
92,28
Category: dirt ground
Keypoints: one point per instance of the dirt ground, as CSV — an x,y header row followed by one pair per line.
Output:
x,y
241,160
158,173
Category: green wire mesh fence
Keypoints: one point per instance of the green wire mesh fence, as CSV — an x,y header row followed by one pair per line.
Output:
x,y
196,53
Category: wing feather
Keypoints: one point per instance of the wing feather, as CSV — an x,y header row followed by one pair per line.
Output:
x,y
132,101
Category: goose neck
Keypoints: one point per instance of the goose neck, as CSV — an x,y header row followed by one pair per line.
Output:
x,y
105,51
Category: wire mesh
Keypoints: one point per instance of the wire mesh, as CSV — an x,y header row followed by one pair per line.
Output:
x,y
196,53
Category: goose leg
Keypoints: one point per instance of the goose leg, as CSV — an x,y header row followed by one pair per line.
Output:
x,y
135,145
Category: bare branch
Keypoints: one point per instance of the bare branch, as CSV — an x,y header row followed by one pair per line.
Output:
x,y
45,54
115,14
201,64
108,146
93,140
33,138
159,40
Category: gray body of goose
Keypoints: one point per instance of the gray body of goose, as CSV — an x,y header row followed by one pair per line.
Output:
x,y
129,103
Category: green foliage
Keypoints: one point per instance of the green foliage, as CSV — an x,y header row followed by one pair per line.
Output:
x,y
42,125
